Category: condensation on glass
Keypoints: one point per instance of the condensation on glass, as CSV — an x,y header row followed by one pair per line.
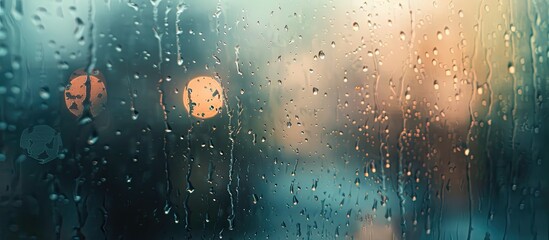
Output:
x,y
172,119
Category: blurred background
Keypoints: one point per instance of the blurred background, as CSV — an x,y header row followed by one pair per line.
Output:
x,y
320,119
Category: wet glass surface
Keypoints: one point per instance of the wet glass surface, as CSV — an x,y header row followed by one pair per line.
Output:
x,y
177,119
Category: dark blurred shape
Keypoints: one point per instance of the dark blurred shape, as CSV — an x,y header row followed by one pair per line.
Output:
x,y
41,142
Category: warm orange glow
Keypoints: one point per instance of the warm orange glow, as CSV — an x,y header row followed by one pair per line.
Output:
x,y
205,99
75,94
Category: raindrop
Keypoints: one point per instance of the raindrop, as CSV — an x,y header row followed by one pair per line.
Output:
x,y
3,50
93,138
44,93
511,68
53,196
175,218
254,198
135,114
355,26
295,201
315,91
133,5
402,36
321,54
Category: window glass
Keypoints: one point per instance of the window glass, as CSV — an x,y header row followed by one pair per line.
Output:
x,y
176,119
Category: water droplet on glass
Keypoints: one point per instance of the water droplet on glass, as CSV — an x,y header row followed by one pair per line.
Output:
x,y
44,93
321,54
439,35
511,68
254,198
295,201
355,26
93,138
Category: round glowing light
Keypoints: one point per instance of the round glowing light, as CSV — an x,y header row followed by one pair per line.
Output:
x,y
75,93
203,97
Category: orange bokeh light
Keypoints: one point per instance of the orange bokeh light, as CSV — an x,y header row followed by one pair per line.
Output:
x,y
203,97
75,94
